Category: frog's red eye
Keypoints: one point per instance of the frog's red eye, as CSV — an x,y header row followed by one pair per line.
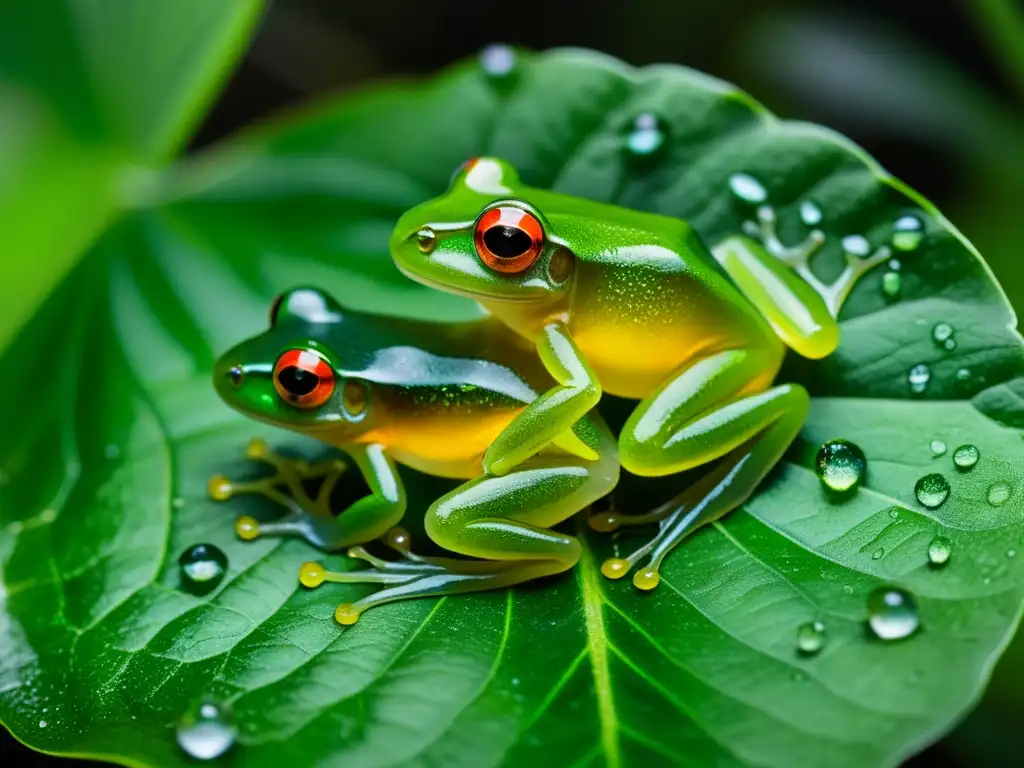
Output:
x,y
465,167
303,378
508,239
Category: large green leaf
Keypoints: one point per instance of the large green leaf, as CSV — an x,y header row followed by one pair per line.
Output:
x,y
91,91
118,429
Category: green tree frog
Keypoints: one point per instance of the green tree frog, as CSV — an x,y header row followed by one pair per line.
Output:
x,y
630,303
432,396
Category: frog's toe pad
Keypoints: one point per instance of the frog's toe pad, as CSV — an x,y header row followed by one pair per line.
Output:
x,y
219,488
311,575
615,567
247,528
604,522
646,579
346,614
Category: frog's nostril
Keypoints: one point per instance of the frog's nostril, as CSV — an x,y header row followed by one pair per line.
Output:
x,y
236,375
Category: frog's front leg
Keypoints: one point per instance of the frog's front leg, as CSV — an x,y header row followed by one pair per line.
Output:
x,y
718,407
505,521
310,517
551,416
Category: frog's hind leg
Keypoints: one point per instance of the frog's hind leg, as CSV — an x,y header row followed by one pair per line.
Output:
x,y
707,413
505,521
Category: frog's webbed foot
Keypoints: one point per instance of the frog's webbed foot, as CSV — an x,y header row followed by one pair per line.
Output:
x,y
309,514
412,575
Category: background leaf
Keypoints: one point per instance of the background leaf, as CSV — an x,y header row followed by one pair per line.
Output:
x,y
88,98
101,653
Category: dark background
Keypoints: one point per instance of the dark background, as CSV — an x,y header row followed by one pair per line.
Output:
x,y
934,89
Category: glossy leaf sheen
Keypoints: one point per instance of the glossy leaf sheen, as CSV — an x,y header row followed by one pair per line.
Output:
x,y
118,430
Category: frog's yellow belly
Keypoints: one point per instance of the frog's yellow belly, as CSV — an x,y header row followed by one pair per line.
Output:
x,y
448,442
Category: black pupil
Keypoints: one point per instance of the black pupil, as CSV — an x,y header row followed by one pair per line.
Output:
x,y
507,242
297,381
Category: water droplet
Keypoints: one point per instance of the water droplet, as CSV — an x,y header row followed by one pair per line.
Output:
x,y
747,188
949,344
939,550
111,451
918,378
932,490
202,567
998,493
878,554
891,284
206,731
941,333
966,456
498,61
810,637
840,465
894,265
894,513
42,723
848,589
858,245
938,447
963,375
810,213
892,613
1011,553
178,502
646,135
907,233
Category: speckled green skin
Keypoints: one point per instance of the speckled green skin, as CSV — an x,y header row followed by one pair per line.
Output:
x,y
433,396
645,312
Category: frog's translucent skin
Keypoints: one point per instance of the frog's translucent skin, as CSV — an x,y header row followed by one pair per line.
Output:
x,y
434,397
632,303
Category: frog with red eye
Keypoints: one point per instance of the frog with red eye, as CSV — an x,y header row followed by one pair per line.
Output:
x,y
633,304
431,396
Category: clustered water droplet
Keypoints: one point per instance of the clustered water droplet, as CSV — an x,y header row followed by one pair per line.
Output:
x,y
907,233
810,213
646,135
939,550
918,378
811,637
840,465
966,456
998,493
206,731
938,447
942,334
932,490
202,567
747,188
892,613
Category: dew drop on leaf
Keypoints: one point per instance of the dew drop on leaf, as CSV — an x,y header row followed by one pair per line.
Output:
x,y
202,567
840,465
645,136
891,284
966,456
747,188
810,637
892,613
939,550
858,245
932,490
938,447
918,378
206,731
810,213
942,334
907,233
998,493
878,554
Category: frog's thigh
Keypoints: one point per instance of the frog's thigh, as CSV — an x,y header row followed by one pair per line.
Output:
x,y
703,413
508,517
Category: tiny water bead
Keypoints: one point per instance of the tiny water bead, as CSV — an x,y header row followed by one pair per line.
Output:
x,y
646,135
932,490
207,731
858,245
840,465
202,568
810,213
942,335
892,613
939,550
498,61
891,284
966,456
938,447
998,493
918,378
878,554
907,233
811,637
747,188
